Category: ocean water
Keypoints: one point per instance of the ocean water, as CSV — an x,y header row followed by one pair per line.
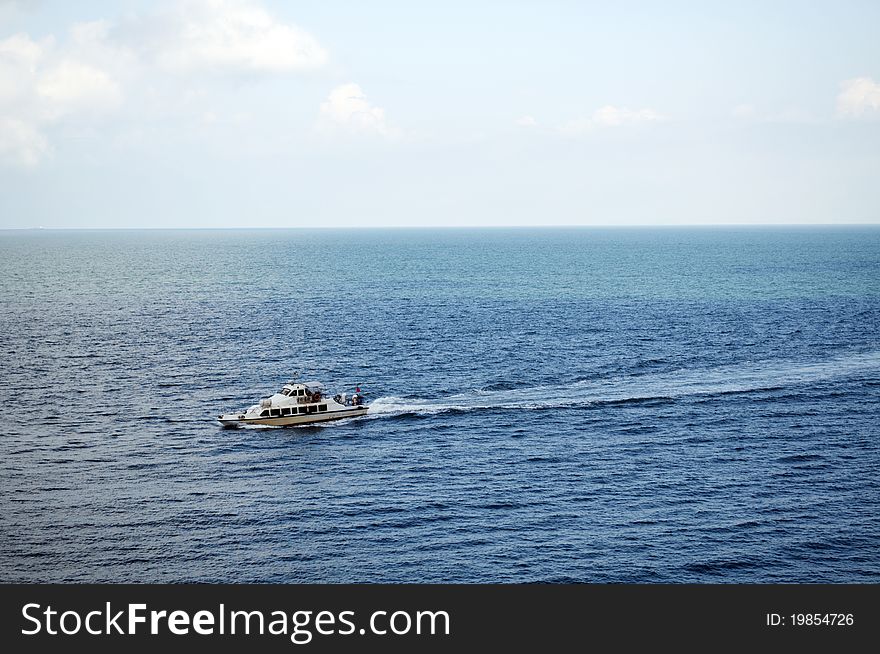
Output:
x,y
558,405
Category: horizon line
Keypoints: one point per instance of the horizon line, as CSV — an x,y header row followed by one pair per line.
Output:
x,y
443,227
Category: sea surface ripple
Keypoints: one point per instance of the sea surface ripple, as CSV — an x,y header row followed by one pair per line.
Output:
x,y
548,405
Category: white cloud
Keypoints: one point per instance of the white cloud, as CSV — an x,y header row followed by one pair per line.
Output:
x,y
71,86
40,85
608,117
526,121
20,48
347,109
858,97
89,74
21,143
19,58
237,36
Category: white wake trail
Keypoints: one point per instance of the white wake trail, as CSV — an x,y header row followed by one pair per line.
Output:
x,y
753,376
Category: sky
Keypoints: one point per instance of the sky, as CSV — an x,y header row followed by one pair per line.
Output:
x,y
254,113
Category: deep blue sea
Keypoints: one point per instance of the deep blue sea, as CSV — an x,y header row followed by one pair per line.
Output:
x,y
548,405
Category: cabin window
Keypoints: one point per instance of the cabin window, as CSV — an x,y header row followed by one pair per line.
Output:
x,y
285,391
275,412
285,411
312,408
322,407
264,413
302,409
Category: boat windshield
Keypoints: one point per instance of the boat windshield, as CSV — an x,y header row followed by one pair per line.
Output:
x,y
285,391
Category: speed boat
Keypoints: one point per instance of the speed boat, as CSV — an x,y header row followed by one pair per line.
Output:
x,y
298,404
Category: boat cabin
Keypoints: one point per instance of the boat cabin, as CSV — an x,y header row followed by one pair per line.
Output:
x,y
307,390
295,399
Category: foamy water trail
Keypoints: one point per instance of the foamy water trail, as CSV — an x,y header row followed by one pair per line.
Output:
x,y
759,375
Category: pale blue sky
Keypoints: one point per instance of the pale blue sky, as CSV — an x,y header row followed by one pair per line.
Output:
x,y
228,113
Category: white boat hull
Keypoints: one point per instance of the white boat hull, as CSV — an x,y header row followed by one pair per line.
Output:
x,y
238,420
